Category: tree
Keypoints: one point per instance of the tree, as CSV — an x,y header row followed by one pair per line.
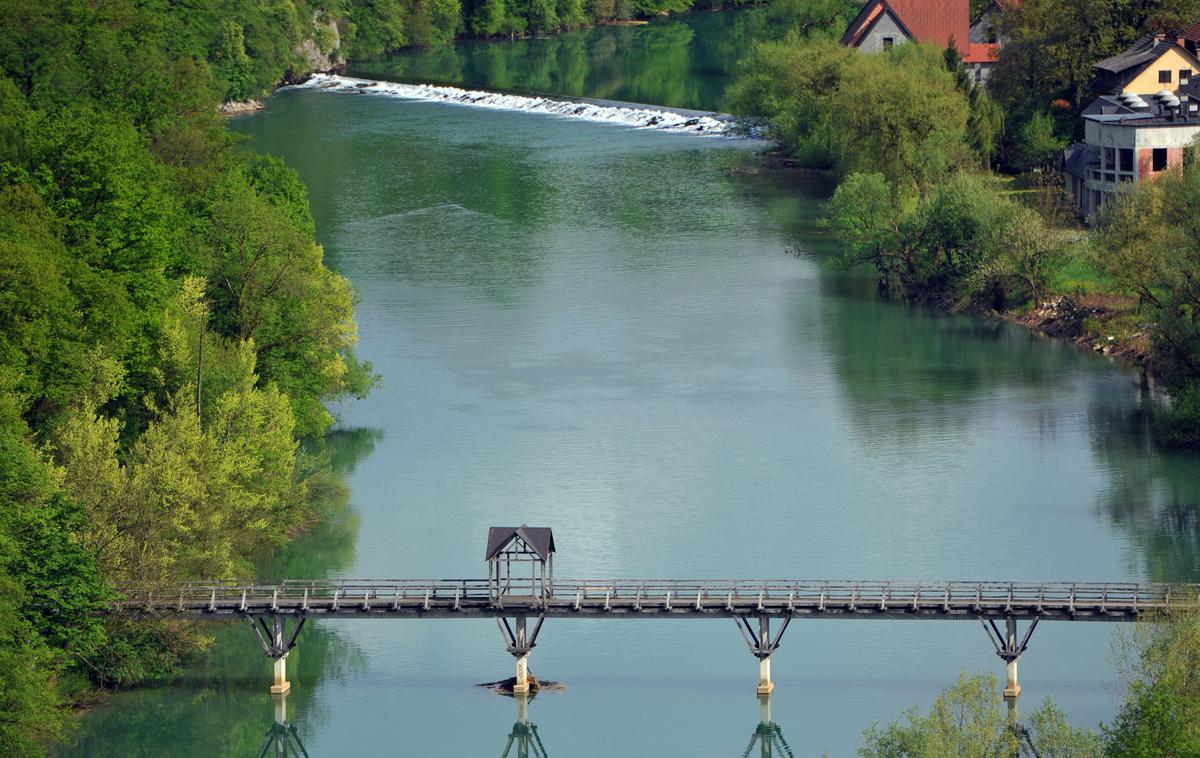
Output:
x,y
1147,241
269,285
231,60
1160,716
971,721
1038,146
959,243
899,114
788,87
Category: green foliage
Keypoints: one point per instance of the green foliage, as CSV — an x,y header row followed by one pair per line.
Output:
x,y
1038,145
230,58
33,713
1178,425
50,587
1051,45
789,87
813,19
960,243
1160,717
900,114
1147,240
169,378
970,720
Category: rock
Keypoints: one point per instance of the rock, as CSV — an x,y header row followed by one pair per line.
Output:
x,y
505,686
234,107
323,51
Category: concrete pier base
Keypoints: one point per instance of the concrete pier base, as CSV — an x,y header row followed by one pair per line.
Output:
x,y
1012,688
765,685
281,684
521,686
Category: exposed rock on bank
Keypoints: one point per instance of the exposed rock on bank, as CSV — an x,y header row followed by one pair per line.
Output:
x,y
234,107
1092,322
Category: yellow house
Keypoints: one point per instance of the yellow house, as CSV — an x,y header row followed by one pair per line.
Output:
x,y
1150,65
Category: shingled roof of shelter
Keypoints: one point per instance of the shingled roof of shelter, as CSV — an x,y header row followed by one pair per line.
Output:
x,y
539,538
936,21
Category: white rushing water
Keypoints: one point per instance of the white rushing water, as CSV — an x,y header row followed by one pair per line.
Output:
x,y
624,115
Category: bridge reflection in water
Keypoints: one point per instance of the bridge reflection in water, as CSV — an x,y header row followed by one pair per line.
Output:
x,y
525,742
768,737
524,735
282,740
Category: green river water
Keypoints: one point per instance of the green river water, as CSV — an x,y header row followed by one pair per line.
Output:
x,y
637,337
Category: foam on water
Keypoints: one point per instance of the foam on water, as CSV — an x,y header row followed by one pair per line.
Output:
x,y
642,117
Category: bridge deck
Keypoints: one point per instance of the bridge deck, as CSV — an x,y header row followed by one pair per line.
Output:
x,y
396,598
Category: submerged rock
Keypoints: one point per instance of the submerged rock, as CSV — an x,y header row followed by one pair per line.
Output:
x,y
505,686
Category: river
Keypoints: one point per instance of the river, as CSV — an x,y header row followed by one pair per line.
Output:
x,y
638,338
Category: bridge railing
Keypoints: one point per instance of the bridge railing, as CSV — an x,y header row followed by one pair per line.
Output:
x,y
960,596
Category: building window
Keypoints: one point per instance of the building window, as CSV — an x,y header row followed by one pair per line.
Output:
x,y
1110,160
978,74
1184,75
1126,156
888,42
1160,159
992,38
1164,77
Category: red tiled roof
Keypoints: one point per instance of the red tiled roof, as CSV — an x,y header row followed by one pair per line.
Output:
x,y
1192,33
937,21
982,52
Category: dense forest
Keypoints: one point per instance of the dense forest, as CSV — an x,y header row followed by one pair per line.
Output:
x,y
951,192
169,335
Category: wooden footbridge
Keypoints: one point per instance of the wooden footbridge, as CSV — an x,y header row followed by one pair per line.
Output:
x,y
520,595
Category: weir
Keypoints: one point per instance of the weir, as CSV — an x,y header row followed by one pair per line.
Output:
x,y
636,115
521,586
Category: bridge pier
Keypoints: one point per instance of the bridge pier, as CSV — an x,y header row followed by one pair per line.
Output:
x,y
1009,646
277,644
762,646
519,644
281,684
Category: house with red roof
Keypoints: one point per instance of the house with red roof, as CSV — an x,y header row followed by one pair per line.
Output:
x,y
882,24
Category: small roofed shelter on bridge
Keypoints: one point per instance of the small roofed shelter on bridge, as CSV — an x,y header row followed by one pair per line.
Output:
x,y
520,561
